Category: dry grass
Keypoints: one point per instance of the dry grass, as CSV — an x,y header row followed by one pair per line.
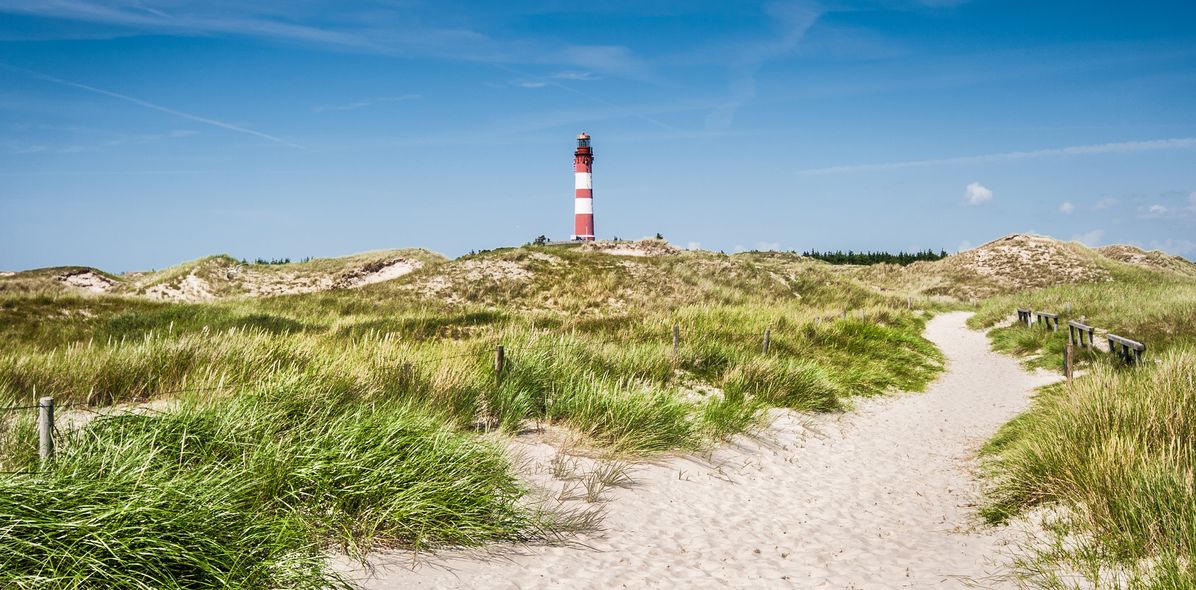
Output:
x,y
1014,263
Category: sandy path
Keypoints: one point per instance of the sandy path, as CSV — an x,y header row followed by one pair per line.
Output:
x,y
881,497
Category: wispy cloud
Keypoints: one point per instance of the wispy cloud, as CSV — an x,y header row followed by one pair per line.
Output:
x,y
576,76
1174,246
1067,208
1155,210
1091,239
545,81
157,107
361,104
15,147
1124,147
550,82
792,21
1105,203
396,30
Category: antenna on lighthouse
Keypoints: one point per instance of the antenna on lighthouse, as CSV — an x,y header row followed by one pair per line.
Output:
x,y
583,201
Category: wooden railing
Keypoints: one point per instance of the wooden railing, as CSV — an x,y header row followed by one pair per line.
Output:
x,y
1051,319
1131,351
1075,334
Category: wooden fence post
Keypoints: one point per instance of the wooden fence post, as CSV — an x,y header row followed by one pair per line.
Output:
x,y
45,428
767,337
676,339
1068,361
499,363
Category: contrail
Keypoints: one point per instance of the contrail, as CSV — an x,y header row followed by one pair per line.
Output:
x,y
1077,150
156,107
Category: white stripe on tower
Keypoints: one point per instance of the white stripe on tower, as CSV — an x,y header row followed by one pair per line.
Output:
x,y
583,206
583,180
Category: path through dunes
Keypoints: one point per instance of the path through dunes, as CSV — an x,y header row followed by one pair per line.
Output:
x,y
880,497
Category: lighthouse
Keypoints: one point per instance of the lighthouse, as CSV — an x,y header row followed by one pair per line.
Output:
x,y
583,201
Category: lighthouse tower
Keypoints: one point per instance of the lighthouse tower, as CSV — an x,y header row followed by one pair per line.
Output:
x,y
583,203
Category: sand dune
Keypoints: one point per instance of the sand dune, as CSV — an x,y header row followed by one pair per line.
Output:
x,y
881,497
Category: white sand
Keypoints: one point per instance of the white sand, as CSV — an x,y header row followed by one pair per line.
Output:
x,y
191,288
881,497
389,272
89,281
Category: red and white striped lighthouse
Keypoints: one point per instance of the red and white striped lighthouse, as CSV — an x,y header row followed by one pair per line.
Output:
x,y
583,202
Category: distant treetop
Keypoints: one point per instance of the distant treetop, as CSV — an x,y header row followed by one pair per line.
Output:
x,y
852,257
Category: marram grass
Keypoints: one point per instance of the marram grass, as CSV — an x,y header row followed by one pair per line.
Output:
x,y
1117,449
248,492
343,420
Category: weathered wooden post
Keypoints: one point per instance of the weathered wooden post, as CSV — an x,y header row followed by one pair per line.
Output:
x,y
499,363
767,337
45,428
909,302
1068,361
676,339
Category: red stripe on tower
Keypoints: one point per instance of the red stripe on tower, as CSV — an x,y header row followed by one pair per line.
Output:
x,y
583,202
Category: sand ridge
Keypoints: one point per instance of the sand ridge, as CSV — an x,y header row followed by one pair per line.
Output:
x,y
881,497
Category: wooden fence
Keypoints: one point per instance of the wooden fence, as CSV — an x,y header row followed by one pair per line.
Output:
x,y
1129,351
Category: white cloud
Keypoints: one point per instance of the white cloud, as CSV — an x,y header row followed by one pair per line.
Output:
x,y
1156,210
1104,203
977,194
1067,208
1091,238
964,245
739,248
1075,150
531,84
768,246
693,246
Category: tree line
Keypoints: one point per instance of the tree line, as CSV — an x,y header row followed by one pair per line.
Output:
x,y
852,257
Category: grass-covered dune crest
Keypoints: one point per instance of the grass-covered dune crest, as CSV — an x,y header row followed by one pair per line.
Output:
x,y
242,439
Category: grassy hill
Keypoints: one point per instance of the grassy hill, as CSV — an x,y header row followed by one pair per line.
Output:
x,y
222,277
356,417
353,402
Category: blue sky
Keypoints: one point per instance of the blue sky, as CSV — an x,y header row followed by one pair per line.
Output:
x,y
140,133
